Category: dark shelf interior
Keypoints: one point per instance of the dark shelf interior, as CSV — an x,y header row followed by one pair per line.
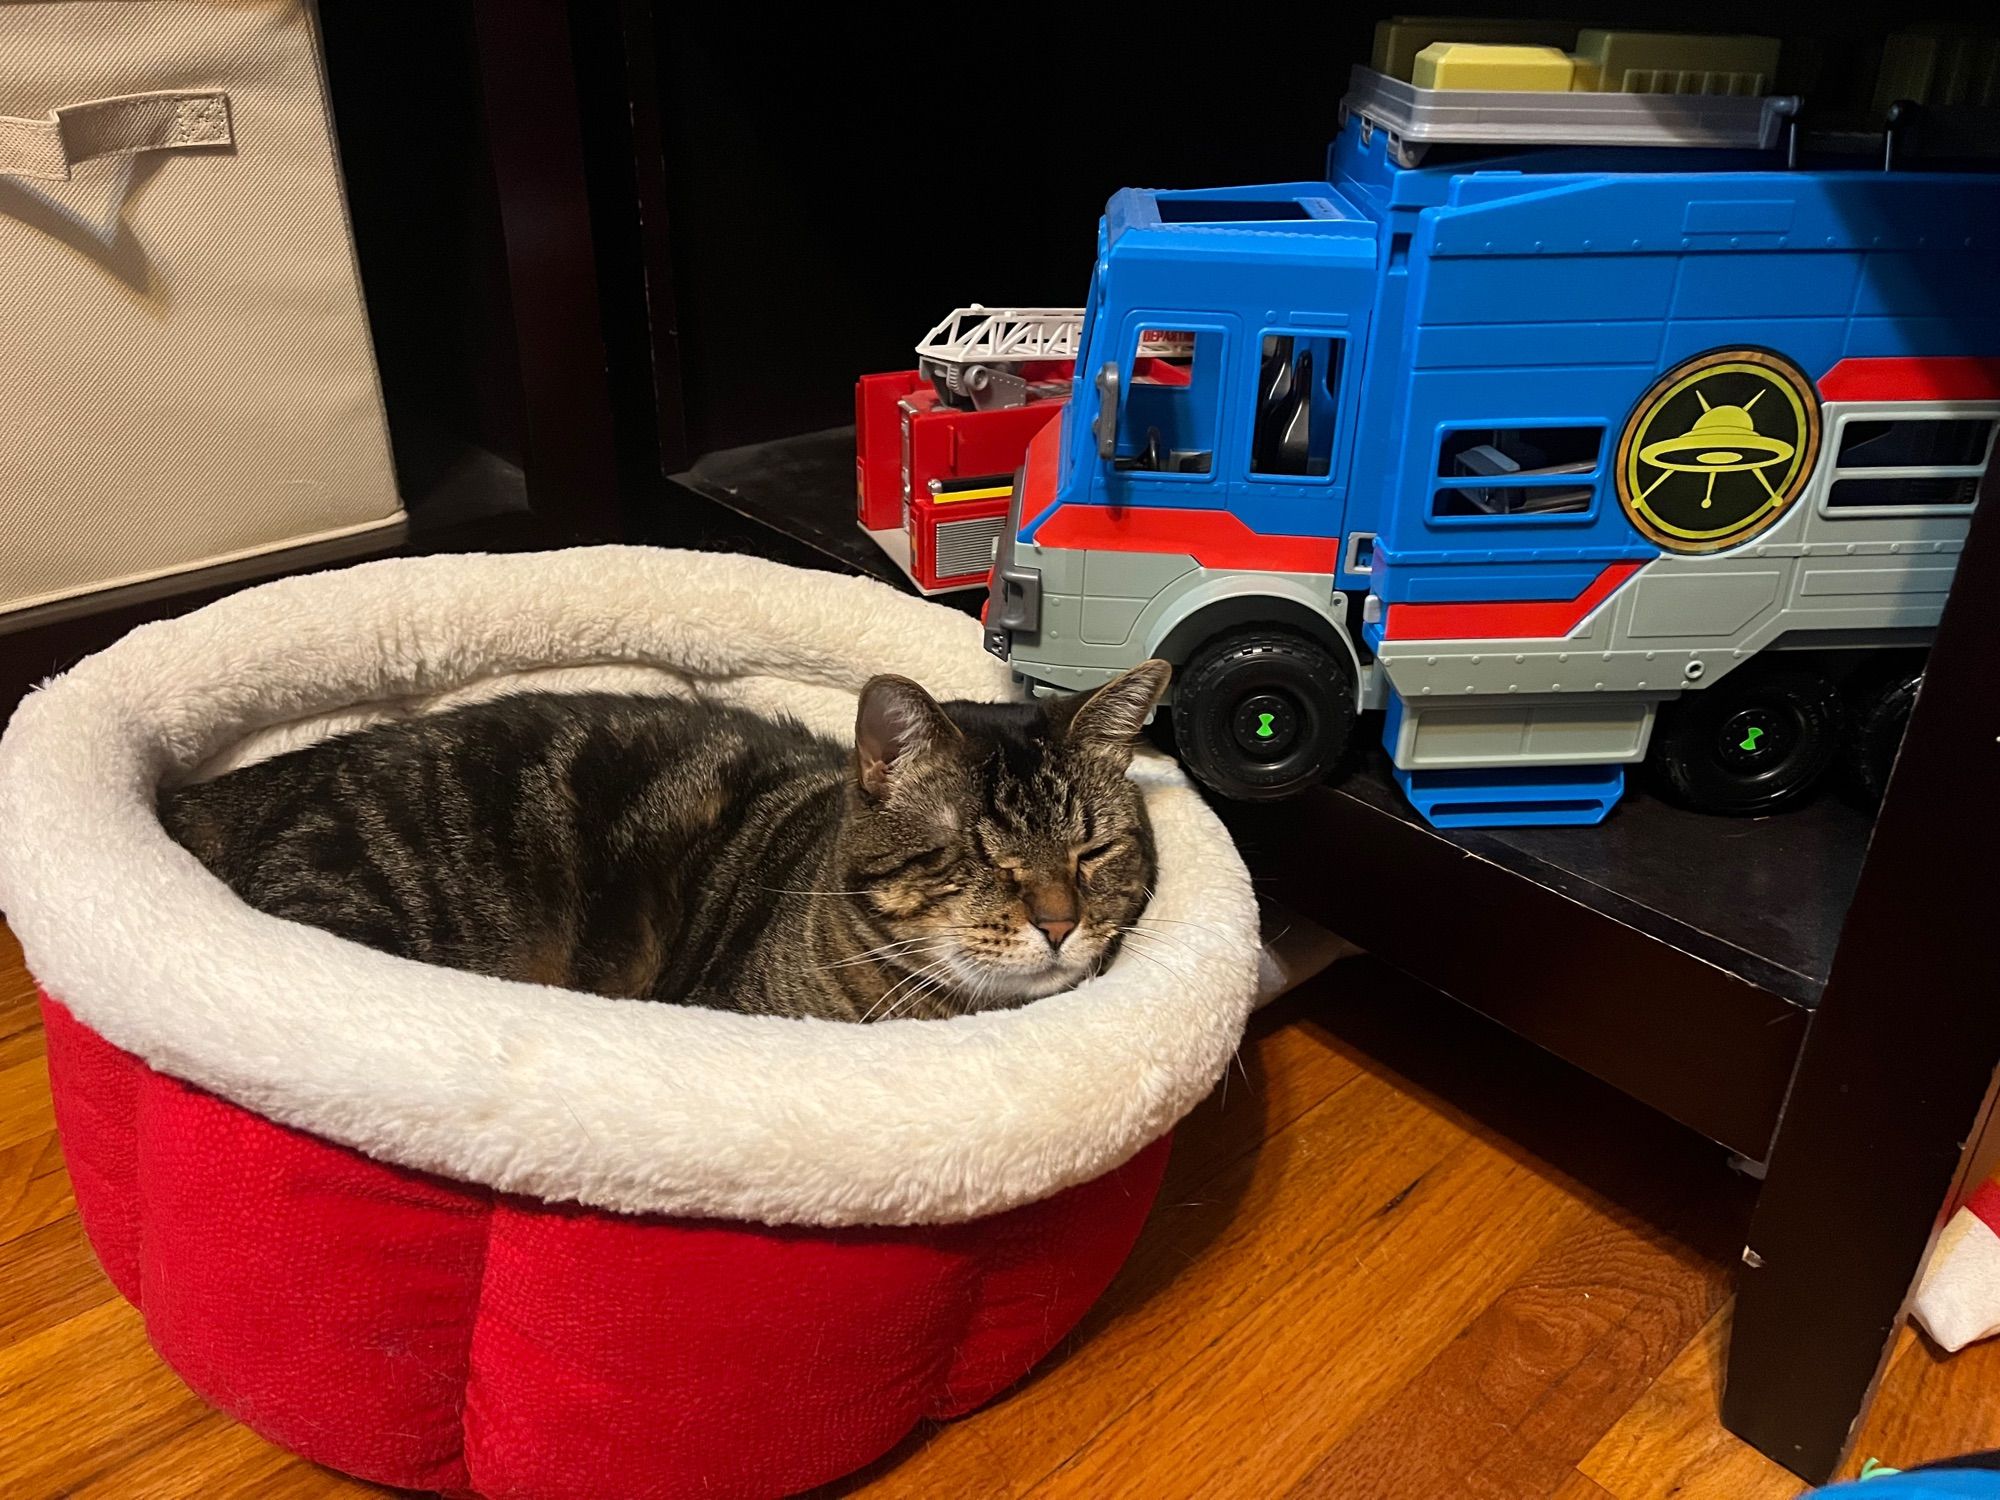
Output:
x,y
1762,898
431,249
848,190
803,488
800,486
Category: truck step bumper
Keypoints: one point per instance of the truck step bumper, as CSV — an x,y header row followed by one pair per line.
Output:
x,y
1514,796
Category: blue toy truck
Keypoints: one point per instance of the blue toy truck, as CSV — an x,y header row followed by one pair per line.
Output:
x,y
1564,459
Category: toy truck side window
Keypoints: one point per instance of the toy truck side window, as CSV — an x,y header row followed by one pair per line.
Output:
x,y
1524,473
1172,403
1298,405
1899,465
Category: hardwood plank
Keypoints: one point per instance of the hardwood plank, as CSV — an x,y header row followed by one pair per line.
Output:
x,y
1205,1262
1526,1389
1579,1487
1671,1445
24,1046
215,1458
82,1397
25,1112
34,1188
1588,1400
48,1277
13,968
1282,1071
20,1006
1373,1301
1915,1418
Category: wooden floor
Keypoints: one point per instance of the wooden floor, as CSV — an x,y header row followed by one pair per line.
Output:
x,y
1401,1254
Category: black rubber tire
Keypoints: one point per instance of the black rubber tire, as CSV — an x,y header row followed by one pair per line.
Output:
x,y
1709,749
1881,714
1294,690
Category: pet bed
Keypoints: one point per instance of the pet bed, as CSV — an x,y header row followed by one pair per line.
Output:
x,y
457,1233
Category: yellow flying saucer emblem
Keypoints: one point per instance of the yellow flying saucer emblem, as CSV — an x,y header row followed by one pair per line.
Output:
x,y
1718,449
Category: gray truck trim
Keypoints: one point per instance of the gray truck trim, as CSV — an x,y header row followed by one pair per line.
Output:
x,y
1822,577
1101,611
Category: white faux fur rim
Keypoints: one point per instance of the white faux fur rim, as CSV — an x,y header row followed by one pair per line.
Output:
x,y
565,1096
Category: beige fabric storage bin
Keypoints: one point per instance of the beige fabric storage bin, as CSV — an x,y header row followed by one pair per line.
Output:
x,y
186,378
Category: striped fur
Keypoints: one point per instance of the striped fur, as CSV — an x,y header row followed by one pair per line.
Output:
x,y
960,857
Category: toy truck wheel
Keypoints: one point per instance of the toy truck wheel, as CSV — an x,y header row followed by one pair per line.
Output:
x,y
1755,742
1881,716
1262,714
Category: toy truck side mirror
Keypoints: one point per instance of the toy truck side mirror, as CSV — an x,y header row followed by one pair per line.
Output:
x,y
1106,425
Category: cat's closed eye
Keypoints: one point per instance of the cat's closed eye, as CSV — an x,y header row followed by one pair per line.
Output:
x,y
932,860
1096,853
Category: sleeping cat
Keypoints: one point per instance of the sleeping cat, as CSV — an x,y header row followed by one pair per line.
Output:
x,y
960,857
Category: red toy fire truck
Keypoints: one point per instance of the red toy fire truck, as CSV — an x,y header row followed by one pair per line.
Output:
x,y
935,448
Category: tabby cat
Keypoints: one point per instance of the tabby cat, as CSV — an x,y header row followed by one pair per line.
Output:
x,y
962,856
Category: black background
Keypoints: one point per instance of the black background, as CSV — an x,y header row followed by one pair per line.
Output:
x,y
836,181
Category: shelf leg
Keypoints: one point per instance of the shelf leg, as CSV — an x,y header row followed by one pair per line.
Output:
x,y
1897,1071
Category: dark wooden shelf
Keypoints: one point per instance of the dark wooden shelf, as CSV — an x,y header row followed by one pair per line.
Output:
x,y
1760,897
803,488
1590,972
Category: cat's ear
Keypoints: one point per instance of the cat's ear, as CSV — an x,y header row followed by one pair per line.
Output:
x,y
897,724
1110,718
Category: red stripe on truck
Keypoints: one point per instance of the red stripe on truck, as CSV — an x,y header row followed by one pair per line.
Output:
x,y
1955,378
1213,538
1504,620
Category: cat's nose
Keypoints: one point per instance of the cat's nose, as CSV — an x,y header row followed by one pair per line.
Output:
x,y
1052,907
1055,929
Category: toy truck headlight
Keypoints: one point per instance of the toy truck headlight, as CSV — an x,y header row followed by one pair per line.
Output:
x,y
1014,596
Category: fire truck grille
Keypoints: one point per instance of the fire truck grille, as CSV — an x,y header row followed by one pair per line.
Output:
x,y
967,546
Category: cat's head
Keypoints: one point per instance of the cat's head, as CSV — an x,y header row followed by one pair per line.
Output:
x,y
1000,846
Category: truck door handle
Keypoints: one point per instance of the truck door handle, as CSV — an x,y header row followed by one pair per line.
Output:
x,y
1106,425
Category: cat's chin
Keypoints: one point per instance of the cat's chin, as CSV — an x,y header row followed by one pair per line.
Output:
x,y
992,987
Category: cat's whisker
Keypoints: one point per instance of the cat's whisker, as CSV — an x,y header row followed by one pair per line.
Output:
x,y
890,952
883,999
1182,922
1144,938
1162,937
855,963
915,976
929,985
1152,955
891,947
1141,953
1157,955
942,940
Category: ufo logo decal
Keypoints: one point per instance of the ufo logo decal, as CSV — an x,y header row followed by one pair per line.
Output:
x,y
1718,449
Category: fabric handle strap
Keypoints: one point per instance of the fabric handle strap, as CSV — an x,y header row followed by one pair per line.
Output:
x,y
126,126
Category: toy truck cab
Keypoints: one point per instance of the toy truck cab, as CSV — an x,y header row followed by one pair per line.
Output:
x,y
1192,500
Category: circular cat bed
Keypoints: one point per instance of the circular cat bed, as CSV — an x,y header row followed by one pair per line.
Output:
x,y
457,1233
